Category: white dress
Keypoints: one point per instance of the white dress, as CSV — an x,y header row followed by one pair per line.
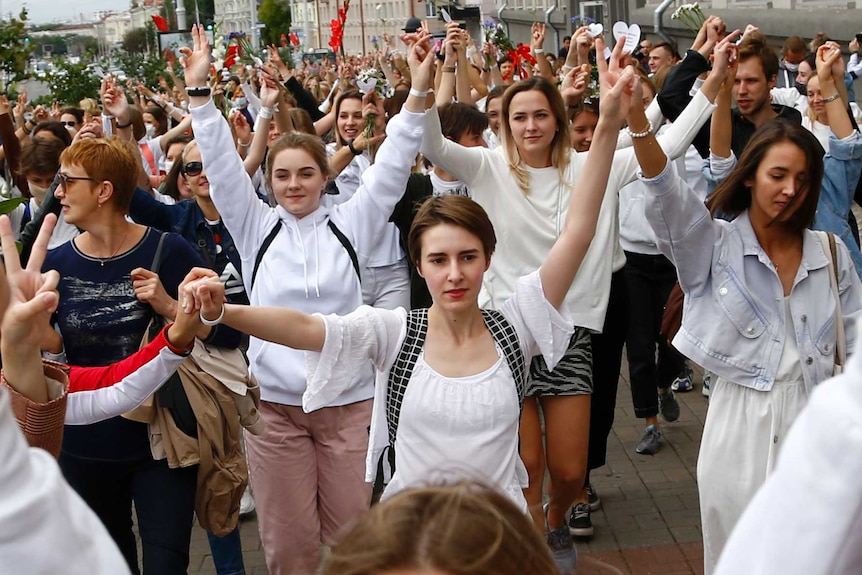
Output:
x,y
743,434
449,428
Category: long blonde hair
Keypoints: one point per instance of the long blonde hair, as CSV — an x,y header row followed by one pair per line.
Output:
x,y
561,148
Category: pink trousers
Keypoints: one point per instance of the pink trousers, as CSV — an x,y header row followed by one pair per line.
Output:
x,y
307,473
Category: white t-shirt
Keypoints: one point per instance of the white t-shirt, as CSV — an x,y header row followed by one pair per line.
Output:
x,y
449,427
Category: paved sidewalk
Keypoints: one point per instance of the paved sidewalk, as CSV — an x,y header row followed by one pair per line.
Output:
x,y
649,522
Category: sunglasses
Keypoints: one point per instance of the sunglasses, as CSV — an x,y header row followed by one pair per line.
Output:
x,y
70,124
193,168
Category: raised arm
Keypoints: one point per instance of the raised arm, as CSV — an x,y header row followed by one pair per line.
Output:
x,y
247,218
563,261
537,47
836,108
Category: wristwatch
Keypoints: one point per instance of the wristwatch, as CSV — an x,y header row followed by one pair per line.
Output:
x,y
201,91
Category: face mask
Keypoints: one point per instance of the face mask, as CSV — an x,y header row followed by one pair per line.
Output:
x,y
151,131
801,89
168,165
38,192
791,67
240,103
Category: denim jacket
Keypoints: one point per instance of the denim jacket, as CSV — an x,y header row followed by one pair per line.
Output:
x,y
733,311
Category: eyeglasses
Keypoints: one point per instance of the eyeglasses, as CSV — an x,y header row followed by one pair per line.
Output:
x,y
70,124
64,180
193,168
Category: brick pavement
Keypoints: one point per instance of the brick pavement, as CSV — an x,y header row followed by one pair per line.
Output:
x,y
649,522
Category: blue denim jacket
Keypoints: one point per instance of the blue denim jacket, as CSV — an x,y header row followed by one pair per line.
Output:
x,y
842,166
733,312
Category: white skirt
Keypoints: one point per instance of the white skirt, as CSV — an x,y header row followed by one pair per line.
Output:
x,y
743,432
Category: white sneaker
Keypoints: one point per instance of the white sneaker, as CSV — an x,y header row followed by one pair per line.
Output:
x,y
246,504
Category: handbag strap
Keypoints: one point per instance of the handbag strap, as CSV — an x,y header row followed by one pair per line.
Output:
x,y
827,239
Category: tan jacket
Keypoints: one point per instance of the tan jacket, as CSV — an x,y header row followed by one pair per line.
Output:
x,y
222,472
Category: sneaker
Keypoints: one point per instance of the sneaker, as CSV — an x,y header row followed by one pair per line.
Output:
x,y
580,523
593,498
563,550
650,441
246,504
668,406
707,382
683,381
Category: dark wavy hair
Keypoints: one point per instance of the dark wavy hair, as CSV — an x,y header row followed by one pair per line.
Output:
x,y
733,196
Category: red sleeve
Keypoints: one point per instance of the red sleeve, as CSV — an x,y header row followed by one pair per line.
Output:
x,y
90,378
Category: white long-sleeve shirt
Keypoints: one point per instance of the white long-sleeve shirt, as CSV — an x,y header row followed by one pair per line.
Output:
x,y
527,225
45,527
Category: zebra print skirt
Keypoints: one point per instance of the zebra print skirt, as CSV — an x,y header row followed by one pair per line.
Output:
x,y
572,376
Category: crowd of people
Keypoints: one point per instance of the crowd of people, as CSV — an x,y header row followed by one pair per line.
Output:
x,y
227,282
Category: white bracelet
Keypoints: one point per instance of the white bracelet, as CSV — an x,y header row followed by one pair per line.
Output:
x,y
265,113
643,134
538,50
420,93
212,322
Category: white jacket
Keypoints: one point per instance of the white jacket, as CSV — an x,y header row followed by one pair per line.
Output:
x,y
306,267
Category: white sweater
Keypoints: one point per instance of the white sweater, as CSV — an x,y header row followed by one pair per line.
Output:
x,y
306,267
527,225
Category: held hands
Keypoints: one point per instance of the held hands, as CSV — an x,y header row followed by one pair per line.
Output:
x,y
420,59
830,53
725,59
202,292
269,89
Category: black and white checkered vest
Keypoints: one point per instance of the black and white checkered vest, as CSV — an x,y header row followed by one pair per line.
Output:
x,y
399,375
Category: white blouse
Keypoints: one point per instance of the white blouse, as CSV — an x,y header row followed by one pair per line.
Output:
x,y
449,428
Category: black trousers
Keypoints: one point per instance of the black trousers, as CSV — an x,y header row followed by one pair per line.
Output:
x,y
650,279
164,501
607,361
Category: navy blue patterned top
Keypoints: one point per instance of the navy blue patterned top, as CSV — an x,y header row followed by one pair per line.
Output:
x,y
102,322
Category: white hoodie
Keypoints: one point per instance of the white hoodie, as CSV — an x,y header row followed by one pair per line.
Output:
x,y
306,267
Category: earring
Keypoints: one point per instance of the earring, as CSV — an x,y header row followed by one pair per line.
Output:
x,y
100,205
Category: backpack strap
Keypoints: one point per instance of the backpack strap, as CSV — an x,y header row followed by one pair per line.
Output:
x,y
507,338
262,250
342,239
347,246
402,369
157,257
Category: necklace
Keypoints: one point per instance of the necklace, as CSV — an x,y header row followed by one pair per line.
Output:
x,y
122,242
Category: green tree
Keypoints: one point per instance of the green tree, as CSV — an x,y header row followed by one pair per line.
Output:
x,y
71,83
15,49
137,41
275,14
144,69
